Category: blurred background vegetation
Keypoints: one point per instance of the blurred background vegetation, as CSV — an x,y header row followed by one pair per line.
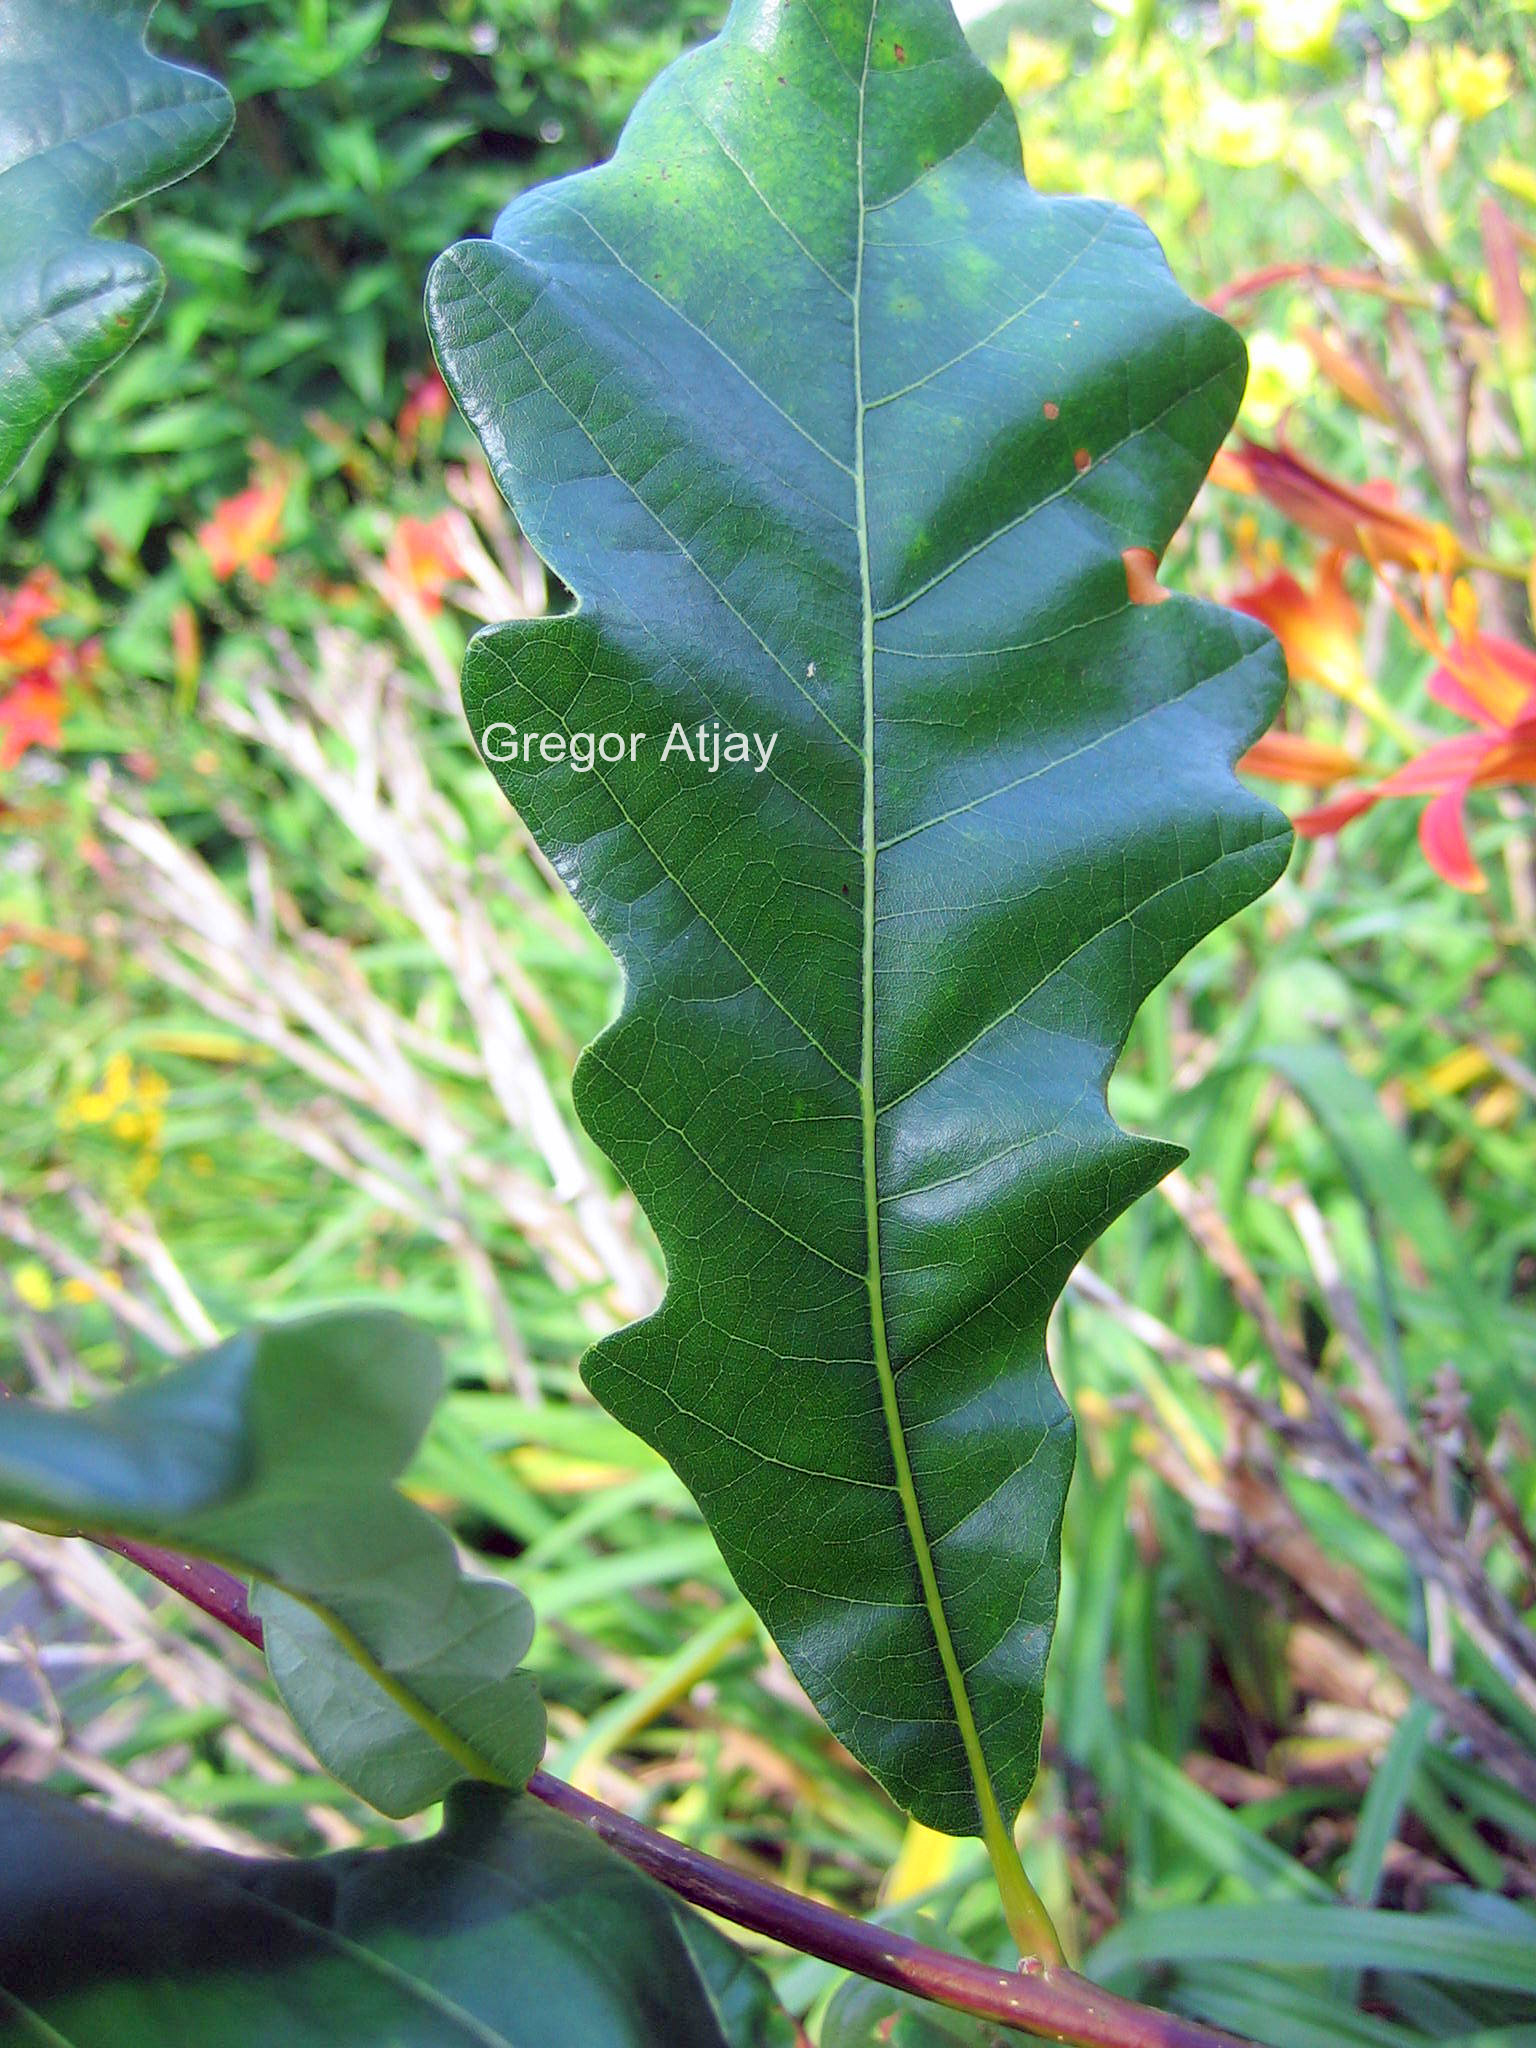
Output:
x,y
291,1002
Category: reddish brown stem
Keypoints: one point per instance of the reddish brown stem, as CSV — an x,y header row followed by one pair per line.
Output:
x,y
1273,274
216,1592
1053,2005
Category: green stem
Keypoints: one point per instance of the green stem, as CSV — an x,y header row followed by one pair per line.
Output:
x,y
1513,572
672,1681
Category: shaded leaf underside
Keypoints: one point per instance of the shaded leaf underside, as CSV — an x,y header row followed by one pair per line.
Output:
x,y
511,1928
89,122
276,1455
839,431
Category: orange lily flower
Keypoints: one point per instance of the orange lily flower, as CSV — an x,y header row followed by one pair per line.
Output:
x,y
1492,683
423,558
243,529
22,644
1363,519
1292,757
1319,629
1353,376
31,715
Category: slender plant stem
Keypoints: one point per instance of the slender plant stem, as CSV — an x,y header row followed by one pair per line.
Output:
x,y
1367,281
216,1592
1052,2003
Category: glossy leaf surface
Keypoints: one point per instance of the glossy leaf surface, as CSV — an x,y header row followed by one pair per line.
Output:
x,y
841,433
90,121
276,1455
512,1928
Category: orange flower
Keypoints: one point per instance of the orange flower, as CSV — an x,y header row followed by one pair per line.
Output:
x,y
1363,519
1319,629
22,645
243,529
31,715
1492,683
1353,376
423,558
426,403
1292,757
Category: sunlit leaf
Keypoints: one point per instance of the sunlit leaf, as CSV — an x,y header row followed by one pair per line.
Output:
x,y
841,435
89,122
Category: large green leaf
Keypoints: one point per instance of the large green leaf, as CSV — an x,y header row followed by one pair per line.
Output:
x,y
840,432
89,122
512,1928
276,1455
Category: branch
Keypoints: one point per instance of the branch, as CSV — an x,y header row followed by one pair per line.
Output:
x,y
1052,2004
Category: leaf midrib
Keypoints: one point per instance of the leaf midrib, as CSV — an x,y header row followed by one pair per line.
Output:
x,y
997,1834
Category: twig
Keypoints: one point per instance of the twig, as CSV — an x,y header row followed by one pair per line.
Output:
x,y
1053,2005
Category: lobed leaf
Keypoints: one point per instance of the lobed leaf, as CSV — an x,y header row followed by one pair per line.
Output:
x,y
90,121
510,1928
841,433
276,1455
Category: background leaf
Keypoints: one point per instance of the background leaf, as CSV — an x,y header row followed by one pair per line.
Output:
x,y
89,122
275,1454
840,433
511,1928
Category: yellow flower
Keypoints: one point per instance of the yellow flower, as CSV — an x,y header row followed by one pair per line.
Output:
x,y
926,1861
1301,30
83,1291
1418,10
1411,83
1240,133
1279,371
1473,86
1315,157
130,1101
90,1108
1514,177
34,1286
1033,65
1052,165
1133,180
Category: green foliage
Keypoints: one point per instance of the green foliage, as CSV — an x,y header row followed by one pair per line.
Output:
x,y
89,123
276,1455
367,137
510,1928
839,433
280,1173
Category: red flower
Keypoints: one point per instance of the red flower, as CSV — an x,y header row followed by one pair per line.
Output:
x,y
22,645
1363,519
1492,683
1319,629
1292,757
424,558
31,715
35,666
243,529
